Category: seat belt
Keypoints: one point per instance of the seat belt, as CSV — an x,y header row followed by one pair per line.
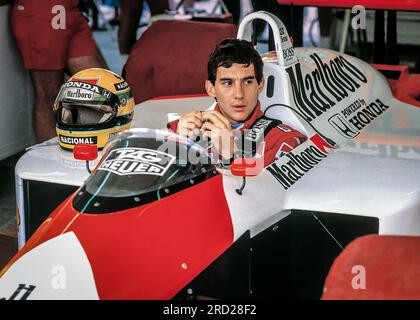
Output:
x,y
250,140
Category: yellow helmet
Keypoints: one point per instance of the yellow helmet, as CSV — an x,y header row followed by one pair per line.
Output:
x,y
92,106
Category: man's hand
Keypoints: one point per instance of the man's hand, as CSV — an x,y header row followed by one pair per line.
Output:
x,y
218,129
189,124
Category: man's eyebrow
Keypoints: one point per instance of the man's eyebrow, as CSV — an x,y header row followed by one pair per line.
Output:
x,y
225,79
231,79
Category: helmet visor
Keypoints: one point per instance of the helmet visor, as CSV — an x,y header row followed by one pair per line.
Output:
x,y
86,105
84,114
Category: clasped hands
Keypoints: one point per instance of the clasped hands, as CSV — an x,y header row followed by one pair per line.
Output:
x,y
214,127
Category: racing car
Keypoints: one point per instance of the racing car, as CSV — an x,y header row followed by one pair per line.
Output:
x,y
158,219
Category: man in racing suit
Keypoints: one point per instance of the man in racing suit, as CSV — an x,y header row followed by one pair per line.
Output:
x,y
235,79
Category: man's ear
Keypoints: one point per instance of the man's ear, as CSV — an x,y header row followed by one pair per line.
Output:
x,y
261,85
210,89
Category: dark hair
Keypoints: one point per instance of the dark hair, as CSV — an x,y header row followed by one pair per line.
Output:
x,y
230,51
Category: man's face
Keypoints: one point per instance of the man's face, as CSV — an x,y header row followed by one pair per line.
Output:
x,y
236,90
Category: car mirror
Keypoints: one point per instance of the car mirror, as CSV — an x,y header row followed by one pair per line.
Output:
x,y
87,152
247,167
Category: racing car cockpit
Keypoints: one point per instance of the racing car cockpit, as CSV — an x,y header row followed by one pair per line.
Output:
x,y
140,166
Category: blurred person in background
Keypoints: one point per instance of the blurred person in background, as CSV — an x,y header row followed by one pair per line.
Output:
x,y
291,16
130,13
53,38
234,7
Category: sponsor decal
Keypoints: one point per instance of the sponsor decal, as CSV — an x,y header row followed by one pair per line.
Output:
x,y
106,93
356,105
87,86
364,117
288,53
22,292
342,126
124,97
253,137
299,163
281,29
357,116
79,94
121,85
257,130
283,37
320,90
82,85
77,140
129,161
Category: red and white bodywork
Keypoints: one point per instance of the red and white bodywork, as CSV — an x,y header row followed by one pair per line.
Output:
x,y
353,162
